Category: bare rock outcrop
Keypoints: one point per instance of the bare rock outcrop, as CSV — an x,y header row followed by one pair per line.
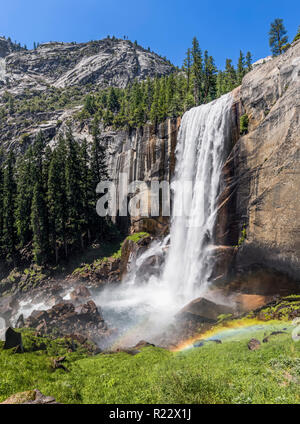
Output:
x,y
65,319
263,180
106,62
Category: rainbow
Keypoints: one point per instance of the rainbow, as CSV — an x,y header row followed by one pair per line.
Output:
x,y
232,330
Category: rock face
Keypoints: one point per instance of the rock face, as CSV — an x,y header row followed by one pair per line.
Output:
x,y
66,319
146,154
106,62
204,310
263,180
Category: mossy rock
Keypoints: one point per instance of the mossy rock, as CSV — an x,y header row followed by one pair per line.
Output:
x,y
20,398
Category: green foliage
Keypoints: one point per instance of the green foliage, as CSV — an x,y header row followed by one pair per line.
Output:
x,y
297,36
215,373
169,96
244,122
137,236
48,200
243,236
277,37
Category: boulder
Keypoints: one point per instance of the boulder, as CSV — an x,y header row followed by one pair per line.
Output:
x,y
204,310
150,266
143,343
80,294
254,344
84,320
20,321
34,397
13,340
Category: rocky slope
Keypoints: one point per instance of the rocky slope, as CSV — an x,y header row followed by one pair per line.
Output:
x,y
107,62
263,180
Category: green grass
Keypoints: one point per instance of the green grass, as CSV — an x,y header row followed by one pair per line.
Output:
x,y
214,373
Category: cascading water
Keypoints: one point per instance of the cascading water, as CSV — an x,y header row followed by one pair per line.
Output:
x,y
199,160
149,306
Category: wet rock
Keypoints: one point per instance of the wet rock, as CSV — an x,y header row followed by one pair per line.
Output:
x,y
65,318
204,310
150,266
20,322
13,340
80,294
58,364
274,333
254,344
143,343
198,343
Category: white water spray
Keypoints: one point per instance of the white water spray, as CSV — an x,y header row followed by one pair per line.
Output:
x,y
199,159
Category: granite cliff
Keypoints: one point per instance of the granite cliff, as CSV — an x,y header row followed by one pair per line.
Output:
x,y
260,215
106,62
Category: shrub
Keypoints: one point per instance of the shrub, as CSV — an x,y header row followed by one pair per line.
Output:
x,y
244,122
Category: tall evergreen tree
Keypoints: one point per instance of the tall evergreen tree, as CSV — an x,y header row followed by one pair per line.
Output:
x,y
248,62
187,68
39,215
9,192
277,37
39,225
73,192
240,68
209,78
25,183
56,200
230,76
197,71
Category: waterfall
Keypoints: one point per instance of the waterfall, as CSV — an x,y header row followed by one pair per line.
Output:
x,y
149,303
199,159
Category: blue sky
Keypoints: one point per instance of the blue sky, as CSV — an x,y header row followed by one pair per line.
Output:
x,y
167,26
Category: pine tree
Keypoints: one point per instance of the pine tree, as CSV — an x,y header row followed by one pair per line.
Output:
x,y
154,112
277,37
56,200
209,78
230,76
25,184
99,173
297,36
187,68
39,216
39,225
1,205
9,240
88,191
112,100
73,192
240,68
248,62
197,71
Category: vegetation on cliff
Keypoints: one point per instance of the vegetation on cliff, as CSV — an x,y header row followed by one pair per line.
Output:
x,y
197,82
